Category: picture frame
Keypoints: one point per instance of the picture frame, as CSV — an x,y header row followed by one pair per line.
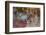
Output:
x,y
10,6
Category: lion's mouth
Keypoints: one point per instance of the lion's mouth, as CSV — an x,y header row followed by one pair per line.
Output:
x,y
21,23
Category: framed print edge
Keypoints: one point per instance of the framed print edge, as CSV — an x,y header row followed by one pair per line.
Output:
x,y
7,17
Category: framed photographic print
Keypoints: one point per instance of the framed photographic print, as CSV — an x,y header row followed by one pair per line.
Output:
x,y
24,17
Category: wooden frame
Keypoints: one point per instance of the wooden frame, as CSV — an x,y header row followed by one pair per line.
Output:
x,y
7,17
